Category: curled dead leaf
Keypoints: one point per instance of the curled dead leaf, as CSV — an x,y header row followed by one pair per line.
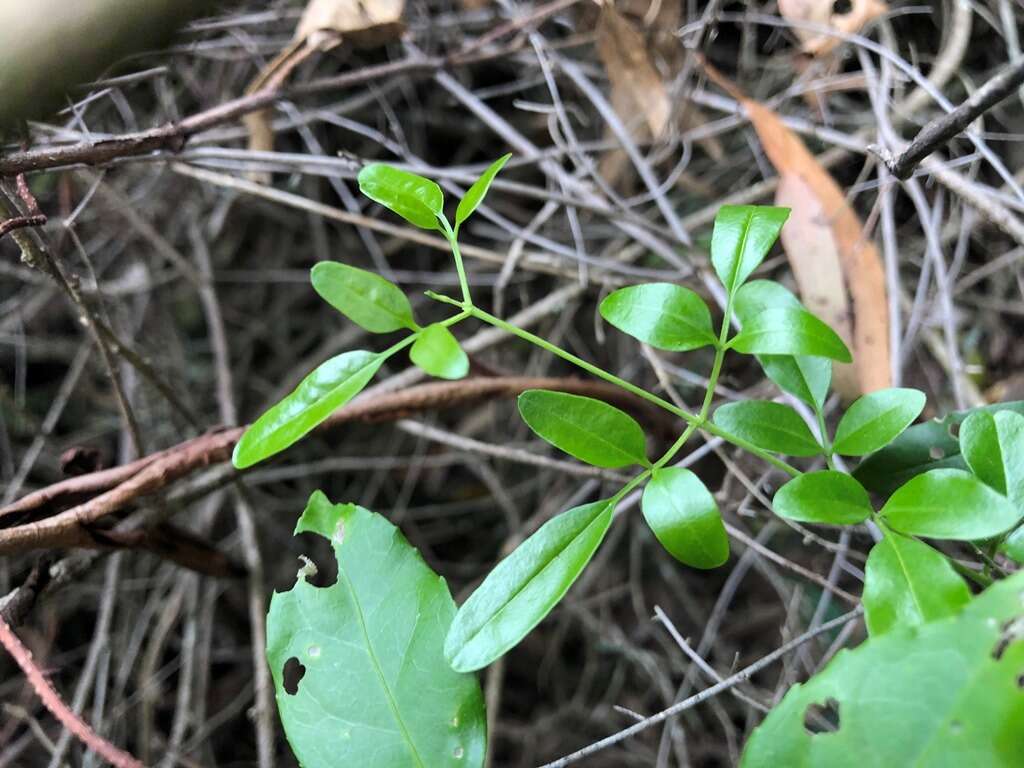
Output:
x,y
855,14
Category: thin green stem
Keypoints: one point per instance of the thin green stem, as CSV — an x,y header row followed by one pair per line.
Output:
x,y
459,267
826,442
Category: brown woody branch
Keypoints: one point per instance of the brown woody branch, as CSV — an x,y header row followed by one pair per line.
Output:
x,y
64,514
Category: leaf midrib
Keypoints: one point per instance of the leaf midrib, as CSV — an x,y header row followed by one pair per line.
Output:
x,y
553,414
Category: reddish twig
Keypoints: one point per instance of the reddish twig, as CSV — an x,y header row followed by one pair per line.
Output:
x,y
34,218
53,702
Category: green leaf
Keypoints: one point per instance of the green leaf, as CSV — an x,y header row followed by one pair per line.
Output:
x,y
993,446
664,315
322,392
742,237
802,376
368,300
376,690
949,504
524,587
789,331
475,194
771,426
683,515
943,694
589,429
438,353
416,199
876,419
907,583
1013,546
921,448
823,497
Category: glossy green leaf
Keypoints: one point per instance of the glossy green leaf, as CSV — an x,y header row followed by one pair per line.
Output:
x,y
993,446
945,694
907,583
741,238
685,519
376,690
589,429
438,353
949,504
876,419
1013,546
416,199
664,315
476,193
368,300
802,376
524,587
921,448
823,497
771,426
322,392
789,331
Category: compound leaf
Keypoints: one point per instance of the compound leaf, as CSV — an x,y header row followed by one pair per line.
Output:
x,y
589,429
476,193
416,199
907,583
823,497
771,426
327,388
876,419
685,519
438,353
942,694
368,300
524,587
376,690
664,315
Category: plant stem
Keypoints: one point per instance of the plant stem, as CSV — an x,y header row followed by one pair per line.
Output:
x,y
467,300
826,443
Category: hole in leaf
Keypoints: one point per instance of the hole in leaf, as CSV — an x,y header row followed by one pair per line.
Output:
x,y
842,7
1010,632
822,718
936,453
292,675
319,565
954,430
1020,680
956,727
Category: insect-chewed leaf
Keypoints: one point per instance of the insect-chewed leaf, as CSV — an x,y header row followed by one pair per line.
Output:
x,y
945,693
416,199
993,446
949,504
476,193
876,419
438,353
685,519
376,690
589,429
664,315
907,583
790,331
823,497
802,376
524,587
771,426
368,300
326,389
741,238
921,448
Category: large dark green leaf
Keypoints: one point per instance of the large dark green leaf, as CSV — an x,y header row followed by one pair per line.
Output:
x,y
907,583
664,315
742,237
368,300
524,587
876,419
949,504
376,691
922,447
416,199
945,694
322,392
476,193
771,426
823,497
789,331
683,515
589,429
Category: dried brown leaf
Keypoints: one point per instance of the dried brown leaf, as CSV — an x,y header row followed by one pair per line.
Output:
x,y
820,12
